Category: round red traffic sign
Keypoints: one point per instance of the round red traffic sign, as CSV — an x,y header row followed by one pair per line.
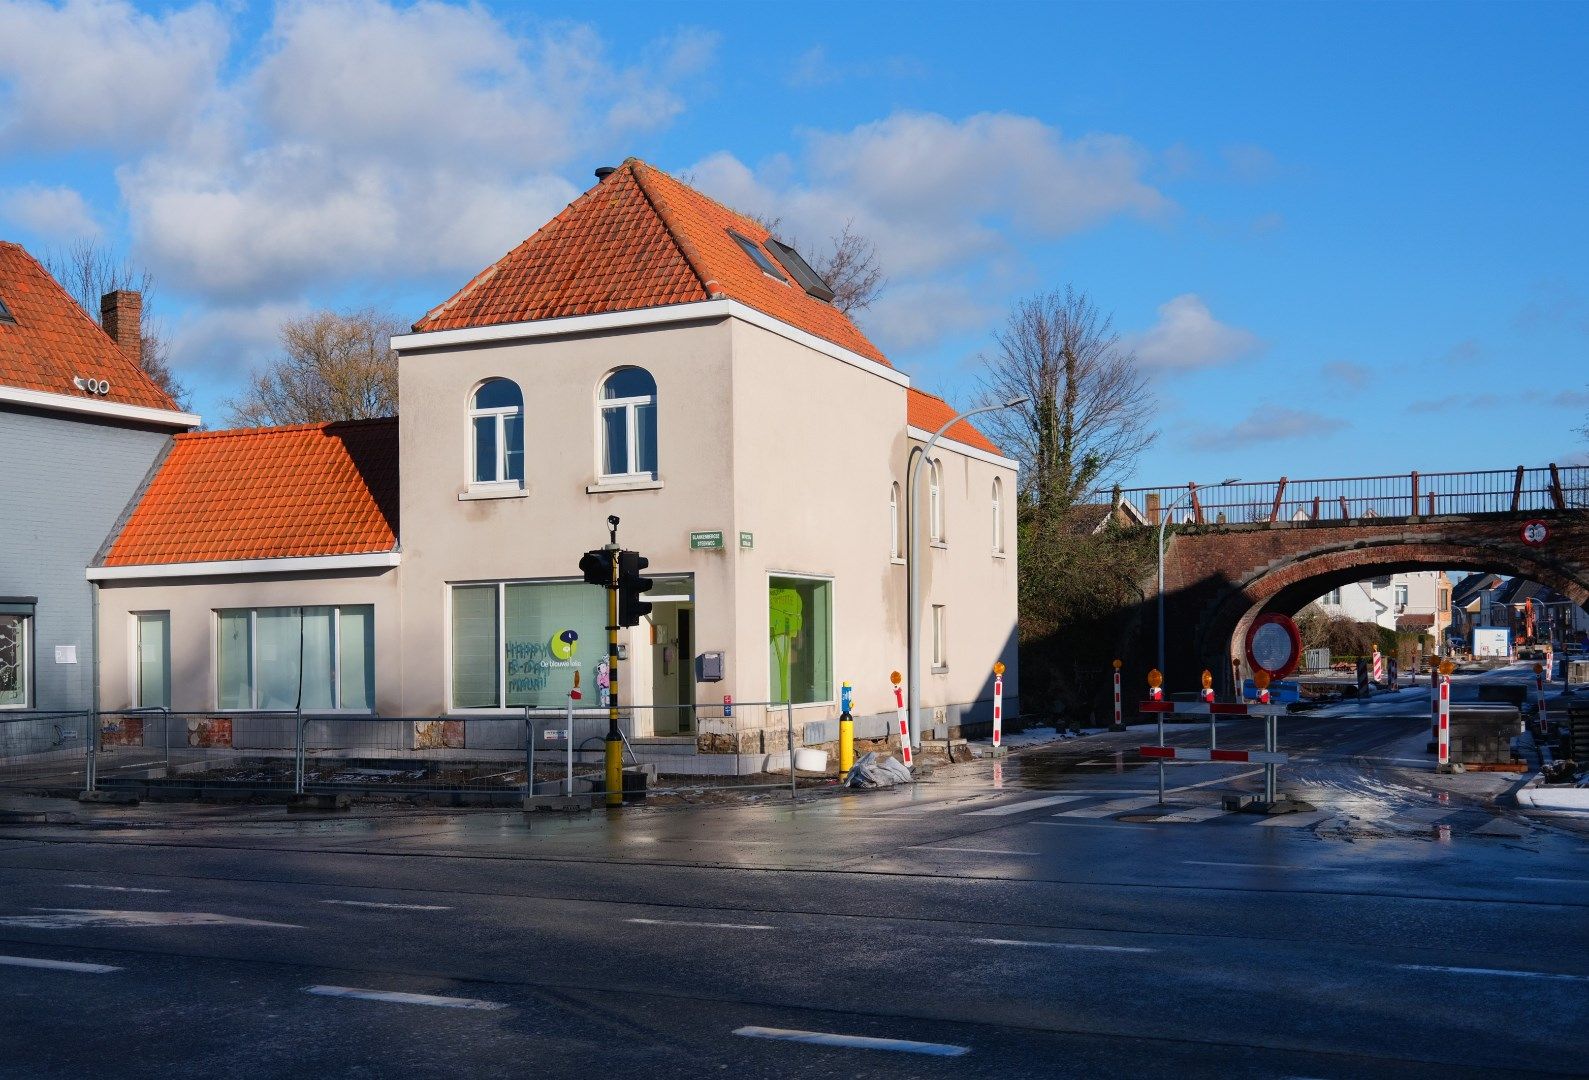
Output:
x,y
1274,644
1534,532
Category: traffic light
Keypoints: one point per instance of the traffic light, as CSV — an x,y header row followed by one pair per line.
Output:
x,y
630,585
597,567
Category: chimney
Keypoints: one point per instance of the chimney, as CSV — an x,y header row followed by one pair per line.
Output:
x,y
120,313
604,172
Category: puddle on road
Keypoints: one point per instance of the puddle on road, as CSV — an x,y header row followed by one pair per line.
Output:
x,y
78,918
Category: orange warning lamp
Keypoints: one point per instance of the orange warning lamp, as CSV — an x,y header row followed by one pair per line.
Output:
x,y
1447,667
1208,679
998,667
1155,679
1118,665
1539,669
895,677
1260,679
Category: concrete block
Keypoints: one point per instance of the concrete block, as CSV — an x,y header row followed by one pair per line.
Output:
x,y
300,804
566,803
113,798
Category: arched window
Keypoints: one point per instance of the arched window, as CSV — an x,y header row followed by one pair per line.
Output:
x,y
893,520
497,415
628,422
998,515
935,501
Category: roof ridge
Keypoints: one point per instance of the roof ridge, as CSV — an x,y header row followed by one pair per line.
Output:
x,y
281,429
659,205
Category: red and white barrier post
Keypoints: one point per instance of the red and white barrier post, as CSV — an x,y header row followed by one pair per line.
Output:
x,y
904,725
1208,699
1156,693
1539,681
1379,668
1443,715
1271,735
1120,723
998,703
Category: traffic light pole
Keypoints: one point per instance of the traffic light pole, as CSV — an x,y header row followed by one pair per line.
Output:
x,y
614,740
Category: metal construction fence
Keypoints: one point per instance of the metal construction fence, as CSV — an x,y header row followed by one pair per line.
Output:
x,y
531,751
1414,494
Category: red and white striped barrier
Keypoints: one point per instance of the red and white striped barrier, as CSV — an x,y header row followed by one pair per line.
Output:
x,y
998,707
1445,720
1119,720
904,725
1211,708
1185,753
1379,667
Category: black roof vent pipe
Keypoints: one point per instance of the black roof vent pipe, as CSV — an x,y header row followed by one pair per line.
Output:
x,y
604,172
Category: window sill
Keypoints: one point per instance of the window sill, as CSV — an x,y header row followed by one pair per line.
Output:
x,y
940,669
1000,555
939,544
896,561
510,490
604,487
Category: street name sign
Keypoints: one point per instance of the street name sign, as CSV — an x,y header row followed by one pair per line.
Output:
x,y
711,538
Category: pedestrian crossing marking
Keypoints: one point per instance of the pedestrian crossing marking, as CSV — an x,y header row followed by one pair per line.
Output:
x,y
1195,814
1294,821
1109,809
1028,804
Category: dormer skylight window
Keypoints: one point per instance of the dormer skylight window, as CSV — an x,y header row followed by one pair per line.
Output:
x,y
799,269
758,256
5,314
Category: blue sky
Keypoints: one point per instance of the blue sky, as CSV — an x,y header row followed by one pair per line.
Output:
x,y
1344,240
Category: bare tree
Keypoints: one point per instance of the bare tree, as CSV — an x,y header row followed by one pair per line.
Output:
x,y
849,267
1086,420
87,271
334,366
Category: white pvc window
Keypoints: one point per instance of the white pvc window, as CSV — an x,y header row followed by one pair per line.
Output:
x,y
998,516
317,659
152,645
15,659
893,520
940,639
521,643
496,427
627,417
935,500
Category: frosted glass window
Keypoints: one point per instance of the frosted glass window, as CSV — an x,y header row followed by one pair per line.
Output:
x,y
14,660
548,631
474,646
154,660
234,661
356,657
289,658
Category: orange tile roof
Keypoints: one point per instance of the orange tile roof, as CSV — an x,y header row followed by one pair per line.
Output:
x,y
923,410
268,493
53,340
638,239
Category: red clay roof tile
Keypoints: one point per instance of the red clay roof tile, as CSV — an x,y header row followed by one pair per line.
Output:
x,y
930,413
268,493
638,239
54,340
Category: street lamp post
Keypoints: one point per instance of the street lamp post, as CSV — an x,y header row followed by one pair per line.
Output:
x,y
1164,521
913,569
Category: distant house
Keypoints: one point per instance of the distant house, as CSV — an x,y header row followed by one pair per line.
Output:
x,y
1413,601
81,426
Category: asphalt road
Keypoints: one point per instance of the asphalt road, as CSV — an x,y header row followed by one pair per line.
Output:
x,y
1036,916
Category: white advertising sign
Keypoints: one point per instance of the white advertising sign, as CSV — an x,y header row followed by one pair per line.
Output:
x,y
1492,641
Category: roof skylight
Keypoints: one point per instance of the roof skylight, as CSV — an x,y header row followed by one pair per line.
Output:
x,y
799,269
5,313
758,256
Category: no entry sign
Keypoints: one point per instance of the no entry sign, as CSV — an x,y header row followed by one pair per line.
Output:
x,y
1273,644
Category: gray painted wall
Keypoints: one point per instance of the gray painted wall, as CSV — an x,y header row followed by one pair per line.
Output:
x,y
64,482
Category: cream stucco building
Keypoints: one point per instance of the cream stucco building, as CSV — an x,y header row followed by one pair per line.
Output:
x,y
649,355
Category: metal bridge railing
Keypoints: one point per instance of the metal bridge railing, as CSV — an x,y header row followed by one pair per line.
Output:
x,y
1496,491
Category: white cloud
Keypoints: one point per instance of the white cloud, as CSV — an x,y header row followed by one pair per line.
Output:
x,y
1187,336
1352,376
226,340
918,313
55,213
1269,423
101,73
375,140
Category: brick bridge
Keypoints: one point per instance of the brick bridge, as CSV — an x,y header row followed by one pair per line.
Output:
x,y
1236,550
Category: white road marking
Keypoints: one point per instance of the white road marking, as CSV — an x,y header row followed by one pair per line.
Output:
x,y
1061,945
76,918
1294,821
857,1042
395,907
1246,865
1197,813
972,850
56,965
1217,780
1109,809
1493,971
1083,824
1028,804
707,925
116,888
917,808
397,998
1557,880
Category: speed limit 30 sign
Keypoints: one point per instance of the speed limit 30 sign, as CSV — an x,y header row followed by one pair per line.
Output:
x,y
1534,532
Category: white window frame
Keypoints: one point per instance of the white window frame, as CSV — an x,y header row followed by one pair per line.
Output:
x,y
935,501
631,412
253,657
833,633
137,658
498,413
940,638
893,522
998,515
26,662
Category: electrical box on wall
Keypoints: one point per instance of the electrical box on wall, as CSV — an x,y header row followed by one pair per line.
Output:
x,y
709,667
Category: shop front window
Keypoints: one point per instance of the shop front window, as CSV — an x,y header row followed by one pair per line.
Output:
x,y
520,643
314,659
800,649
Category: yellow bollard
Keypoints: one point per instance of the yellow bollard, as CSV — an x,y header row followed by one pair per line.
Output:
x,y
614,749
846,744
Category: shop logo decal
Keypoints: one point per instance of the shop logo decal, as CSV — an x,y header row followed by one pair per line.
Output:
x,y
564,644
